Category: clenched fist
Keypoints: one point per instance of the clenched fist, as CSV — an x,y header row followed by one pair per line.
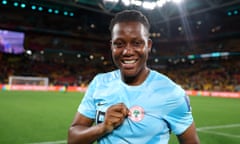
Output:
x,y
115,116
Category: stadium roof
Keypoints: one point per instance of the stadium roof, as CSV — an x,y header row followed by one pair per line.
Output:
x,y
198,17
89,19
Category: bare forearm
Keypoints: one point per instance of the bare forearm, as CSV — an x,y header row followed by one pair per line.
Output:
x,y
193,141
85,135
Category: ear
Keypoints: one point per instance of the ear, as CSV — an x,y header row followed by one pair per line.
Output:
x,y
149,45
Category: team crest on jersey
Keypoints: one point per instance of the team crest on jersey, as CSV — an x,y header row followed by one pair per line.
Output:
x,y
136,113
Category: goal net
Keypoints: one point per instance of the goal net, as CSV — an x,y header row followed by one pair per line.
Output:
x,y
27,80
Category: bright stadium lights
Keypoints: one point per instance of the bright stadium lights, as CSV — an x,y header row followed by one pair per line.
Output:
x,y
33,7
23,5
71,14
102,58
136,2
160,3
4,2
65,13
126,2
149,5
235,12
79,55
177,1
40,8
199,22
232,12
92,26
114,1
91,57
56,11
42,52
15,4
229,13
180,28
50,10
60,54
155,34
28,52
144,3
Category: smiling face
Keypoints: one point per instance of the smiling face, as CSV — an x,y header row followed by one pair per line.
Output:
x,y
130,47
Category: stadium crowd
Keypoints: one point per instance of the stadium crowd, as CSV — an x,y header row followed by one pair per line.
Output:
x,y
216,75
210,75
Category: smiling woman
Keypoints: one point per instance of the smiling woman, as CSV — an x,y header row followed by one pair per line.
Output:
x,y
130,48
125,114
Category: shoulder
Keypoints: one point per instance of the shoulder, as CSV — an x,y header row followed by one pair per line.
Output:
x,y
163,82
161,79
107,77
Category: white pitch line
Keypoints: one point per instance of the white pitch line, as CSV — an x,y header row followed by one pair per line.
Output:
x,y
221,134
201,129
51,142
210,130
218,127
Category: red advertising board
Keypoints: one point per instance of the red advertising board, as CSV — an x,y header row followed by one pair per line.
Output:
x,y
83,89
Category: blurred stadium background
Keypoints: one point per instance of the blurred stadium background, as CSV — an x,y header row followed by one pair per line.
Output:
x,y
196,43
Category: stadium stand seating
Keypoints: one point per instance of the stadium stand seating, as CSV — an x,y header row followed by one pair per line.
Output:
x,y
218,74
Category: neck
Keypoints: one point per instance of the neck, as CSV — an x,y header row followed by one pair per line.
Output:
x,y
138,79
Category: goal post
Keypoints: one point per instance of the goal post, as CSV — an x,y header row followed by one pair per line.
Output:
x,y
28,80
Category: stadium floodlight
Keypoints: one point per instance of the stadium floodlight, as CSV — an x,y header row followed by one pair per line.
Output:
x,y
50,10
28,52
235,12
229,13
56,11
177,1
79,55
149,5
144,3
126,2
71,14
42,52
40,8
160,3
136,2
4,2
23,5
15,4
113,1
34,7
65,13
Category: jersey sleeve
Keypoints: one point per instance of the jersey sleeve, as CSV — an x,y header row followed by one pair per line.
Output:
x,y
87,106
179,117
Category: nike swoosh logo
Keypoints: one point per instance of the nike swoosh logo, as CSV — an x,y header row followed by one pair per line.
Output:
x,y
100,104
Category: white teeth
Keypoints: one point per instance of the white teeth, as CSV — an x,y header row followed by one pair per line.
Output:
x,y
129,61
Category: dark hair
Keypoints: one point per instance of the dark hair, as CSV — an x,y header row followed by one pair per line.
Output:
x,y
130,16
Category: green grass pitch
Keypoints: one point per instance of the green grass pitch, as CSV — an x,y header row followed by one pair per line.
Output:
x,y
44,117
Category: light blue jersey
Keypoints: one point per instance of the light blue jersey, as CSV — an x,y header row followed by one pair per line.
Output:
x,y
158,106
